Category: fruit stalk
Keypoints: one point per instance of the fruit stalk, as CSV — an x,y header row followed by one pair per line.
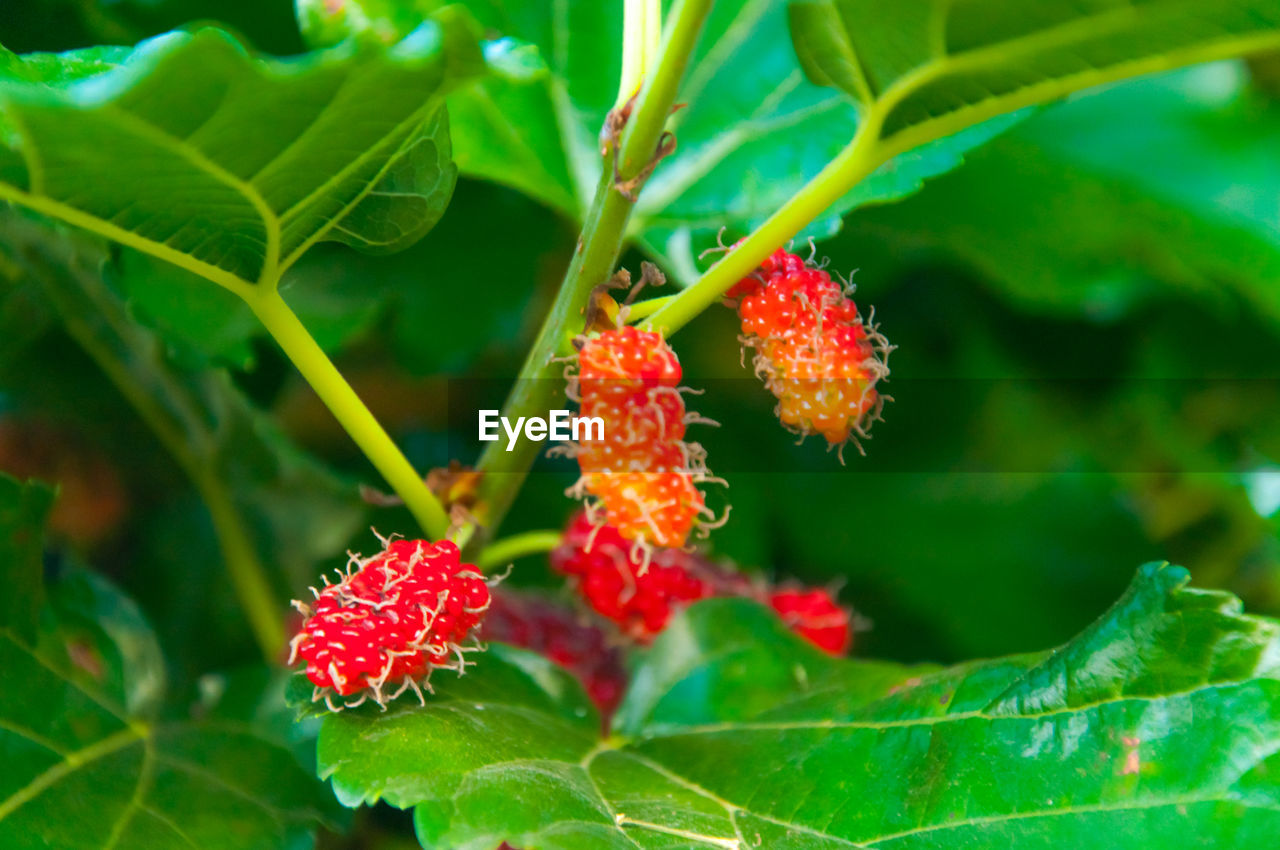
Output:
x,y
501,552
859,158
349,410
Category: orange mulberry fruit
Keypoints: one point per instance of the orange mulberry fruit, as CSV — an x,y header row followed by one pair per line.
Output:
x,y
813,350
643,475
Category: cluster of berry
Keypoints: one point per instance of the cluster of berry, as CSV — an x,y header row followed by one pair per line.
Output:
x,y
813,350
397,616
641,598
389,621
642,473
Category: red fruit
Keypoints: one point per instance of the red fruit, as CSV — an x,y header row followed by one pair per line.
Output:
x,y
815,615
390,621
555,631
777,262
795,303
642,473
612,580
628,358
816,356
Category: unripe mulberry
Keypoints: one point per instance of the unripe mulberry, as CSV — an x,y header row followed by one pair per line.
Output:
x,y
813,350
389,622
642,474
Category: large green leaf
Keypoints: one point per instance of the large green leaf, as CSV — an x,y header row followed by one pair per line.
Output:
x,y
921,69
1184,198
339,294
81,770
753,130
1157,726
231,166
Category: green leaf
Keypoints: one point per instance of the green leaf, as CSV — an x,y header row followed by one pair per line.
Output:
x,y
926,68
674,681
1154,727
514,706
82,770
339,295
23,509
749,113
1179,203
231,166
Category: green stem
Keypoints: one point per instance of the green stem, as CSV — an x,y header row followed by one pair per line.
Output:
x,y
658,93
248,576
349,410
540,385
517,546
646,308
859,158
641,31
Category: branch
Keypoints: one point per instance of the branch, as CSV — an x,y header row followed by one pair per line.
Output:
x,y
540,385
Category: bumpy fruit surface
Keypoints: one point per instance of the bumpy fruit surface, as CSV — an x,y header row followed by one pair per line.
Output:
x,y
813,351
614,582
562,635
605,572
815,615
389,622
642,474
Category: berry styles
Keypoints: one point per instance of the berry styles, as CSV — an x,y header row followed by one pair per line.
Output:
x,y
391,620
813,350
643,474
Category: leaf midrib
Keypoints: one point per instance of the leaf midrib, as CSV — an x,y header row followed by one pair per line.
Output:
x,y
663,731
731,809
71,763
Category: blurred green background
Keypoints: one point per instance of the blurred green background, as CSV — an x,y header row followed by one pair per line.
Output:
x,y
1087,316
